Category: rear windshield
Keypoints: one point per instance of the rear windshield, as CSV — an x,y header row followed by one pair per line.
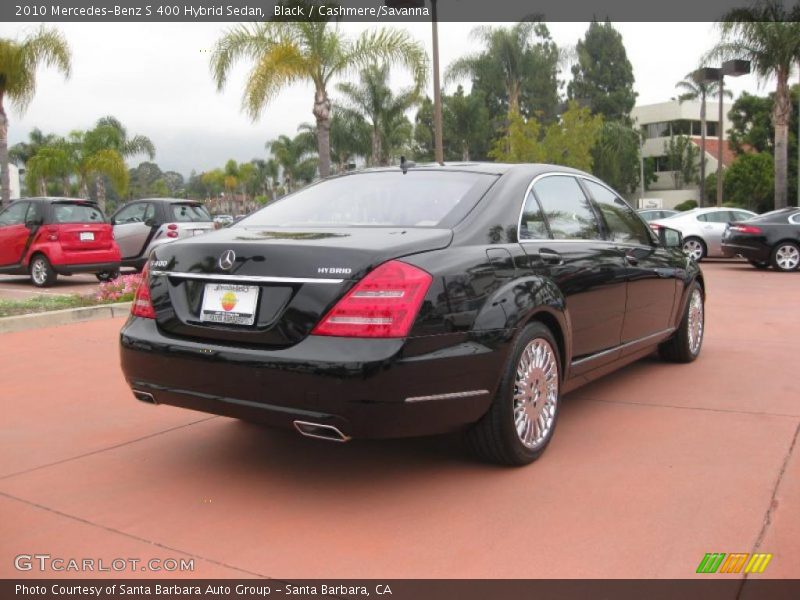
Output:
x,y
382,199
192,213
74,212
776,216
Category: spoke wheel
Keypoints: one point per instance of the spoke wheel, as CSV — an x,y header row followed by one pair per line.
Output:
x,y
696,323
694,249
42,273
786,256
685,344
535,393
521,419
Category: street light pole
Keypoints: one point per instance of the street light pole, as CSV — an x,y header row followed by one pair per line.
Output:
x,y
720,137
437,92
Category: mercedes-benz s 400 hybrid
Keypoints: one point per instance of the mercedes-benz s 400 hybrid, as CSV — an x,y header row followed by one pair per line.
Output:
x,y
413,301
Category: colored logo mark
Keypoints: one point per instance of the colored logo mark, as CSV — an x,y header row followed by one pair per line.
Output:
x,y
719,562
228,300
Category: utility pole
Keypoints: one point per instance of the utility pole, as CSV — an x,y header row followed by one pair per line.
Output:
x,y
720,137
437,92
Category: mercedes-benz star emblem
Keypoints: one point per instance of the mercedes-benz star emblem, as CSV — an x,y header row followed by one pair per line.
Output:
x,y
226,260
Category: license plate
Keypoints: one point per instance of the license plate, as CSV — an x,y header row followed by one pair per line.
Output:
x,y
198,231
87,236
229,304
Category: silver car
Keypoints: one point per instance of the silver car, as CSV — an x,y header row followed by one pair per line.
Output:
x,y
702,229
141,225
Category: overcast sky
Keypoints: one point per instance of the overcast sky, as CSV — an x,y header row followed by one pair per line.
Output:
x,y
155,78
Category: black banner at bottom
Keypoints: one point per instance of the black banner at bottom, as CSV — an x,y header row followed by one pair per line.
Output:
x,y
401,589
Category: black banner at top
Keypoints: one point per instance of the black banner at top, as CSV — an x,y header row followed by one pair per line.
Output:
x,y
376,11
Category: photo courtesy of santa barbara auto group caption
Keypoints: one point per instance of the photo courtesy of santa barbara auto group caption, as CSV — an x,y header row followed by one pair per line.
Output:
x,y
402,299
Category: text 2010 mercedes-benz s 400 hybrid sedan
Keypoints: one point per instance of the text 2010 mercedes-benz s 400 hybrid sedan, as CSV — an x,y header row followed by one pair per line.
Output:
x,y
400,302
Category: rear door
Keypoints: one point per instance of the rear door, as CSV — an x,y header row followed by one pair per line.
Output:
x,y
560,231
14,234
133,224
650,269
80,226
712,226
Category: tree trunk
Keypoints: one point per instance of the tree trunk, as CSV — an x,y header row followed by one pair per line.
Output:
x,y
513,98
702,202
5,179
322,114
465,152
84,189
42,186
65,185
101,192
781,111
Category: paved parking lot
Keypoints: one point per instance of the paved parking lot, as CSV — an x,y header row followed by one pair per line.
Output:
x,y
650,468
19,287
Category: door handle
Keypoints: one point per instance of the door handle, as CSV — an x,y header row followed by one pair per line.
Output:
x,y
631,259
548,256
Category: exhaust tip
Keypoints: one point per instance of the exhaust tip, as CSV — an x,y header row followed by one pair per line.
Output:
x,y
144,397
320,431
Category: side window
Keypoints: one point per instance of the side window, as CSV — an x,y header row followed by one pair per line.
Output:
x,y
14,214
131,214
703,218
35,213
741,216
532,226
150,211
624,225
566,208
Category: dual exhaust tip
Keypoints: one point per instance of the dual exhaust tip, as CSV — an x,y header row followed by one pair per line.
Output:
x,y
306,428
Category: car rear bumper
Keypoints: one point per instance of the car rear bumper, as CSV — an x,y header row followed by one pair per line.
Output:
x,y
364,388
86,268
755,252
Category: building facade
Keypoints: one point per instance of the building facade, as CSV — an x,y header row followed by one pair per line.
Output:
x,y
657,124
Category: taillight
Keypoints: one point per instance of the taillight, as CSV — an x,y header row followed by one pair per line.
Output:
x,y
142,302
382,305
172,230
655,226
52,234
746,229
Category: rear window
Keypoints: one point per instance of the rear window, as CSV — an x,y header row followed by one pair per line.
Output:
x,y
189,213
74,212
782,215
382,199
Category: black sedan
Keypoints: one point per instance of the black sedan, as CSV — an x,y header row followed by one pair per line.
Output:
x,y
399,302
769,239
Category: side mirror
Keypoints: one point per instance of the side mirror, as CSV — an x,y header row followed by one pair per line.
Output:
x,y
670,238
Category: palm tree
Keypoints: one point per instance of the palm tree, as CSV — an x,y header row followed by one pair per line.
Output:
x,y
293,156
510,53
692,90
768,36
350,137
284,53
52,161
110,134
373,100
22,152
19,60
93,162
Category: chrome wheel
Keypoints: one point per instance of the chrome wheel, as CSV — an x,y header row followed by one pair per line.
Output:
x,y
694,249
696,321
787,257
39,271
535,393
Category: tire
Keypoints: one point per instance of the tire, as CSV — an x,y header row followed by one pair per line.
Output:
x,y
685,344
41,271
497,437
107,275
759,264
785,256
695,248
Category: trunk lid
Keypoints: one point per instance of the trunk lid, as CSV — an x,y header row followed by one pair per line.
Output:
x,y
287,278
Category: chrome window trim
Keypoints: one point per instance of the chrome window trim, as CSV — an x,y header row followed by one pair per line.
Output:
x,y
252,278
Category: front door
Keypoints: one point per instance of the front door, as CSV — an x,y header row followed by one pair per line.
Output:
x,y
132,227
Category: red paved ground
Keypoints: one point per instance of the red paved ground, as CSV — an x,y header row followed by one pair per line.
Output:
x,y
19,287
650,469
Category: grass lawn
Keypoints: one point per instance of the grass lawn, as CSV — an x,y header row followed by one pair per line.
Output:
x,y
10,308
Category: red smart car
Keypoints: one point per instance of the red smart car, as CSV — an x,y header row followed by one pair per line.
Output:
x,y
48,237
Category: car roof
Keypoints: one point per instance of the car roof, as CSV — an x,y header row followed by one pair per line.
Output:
x,y
56,199
489,168
167,200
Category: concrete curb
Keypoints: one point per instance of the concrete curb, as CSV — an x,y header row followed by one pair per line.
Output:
x,y
54,318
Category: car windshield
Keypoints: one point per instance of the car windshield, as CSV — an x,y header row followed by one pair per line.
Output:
x,y
76,212
193,213
379,199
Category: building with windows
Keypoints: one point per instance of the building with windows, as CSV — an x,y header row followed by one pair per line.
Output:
x,y
657,124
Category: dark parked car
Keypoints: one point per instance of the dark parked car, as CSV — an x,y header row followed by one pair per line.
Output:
x,y
384,304
141,225
48,237
769,239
